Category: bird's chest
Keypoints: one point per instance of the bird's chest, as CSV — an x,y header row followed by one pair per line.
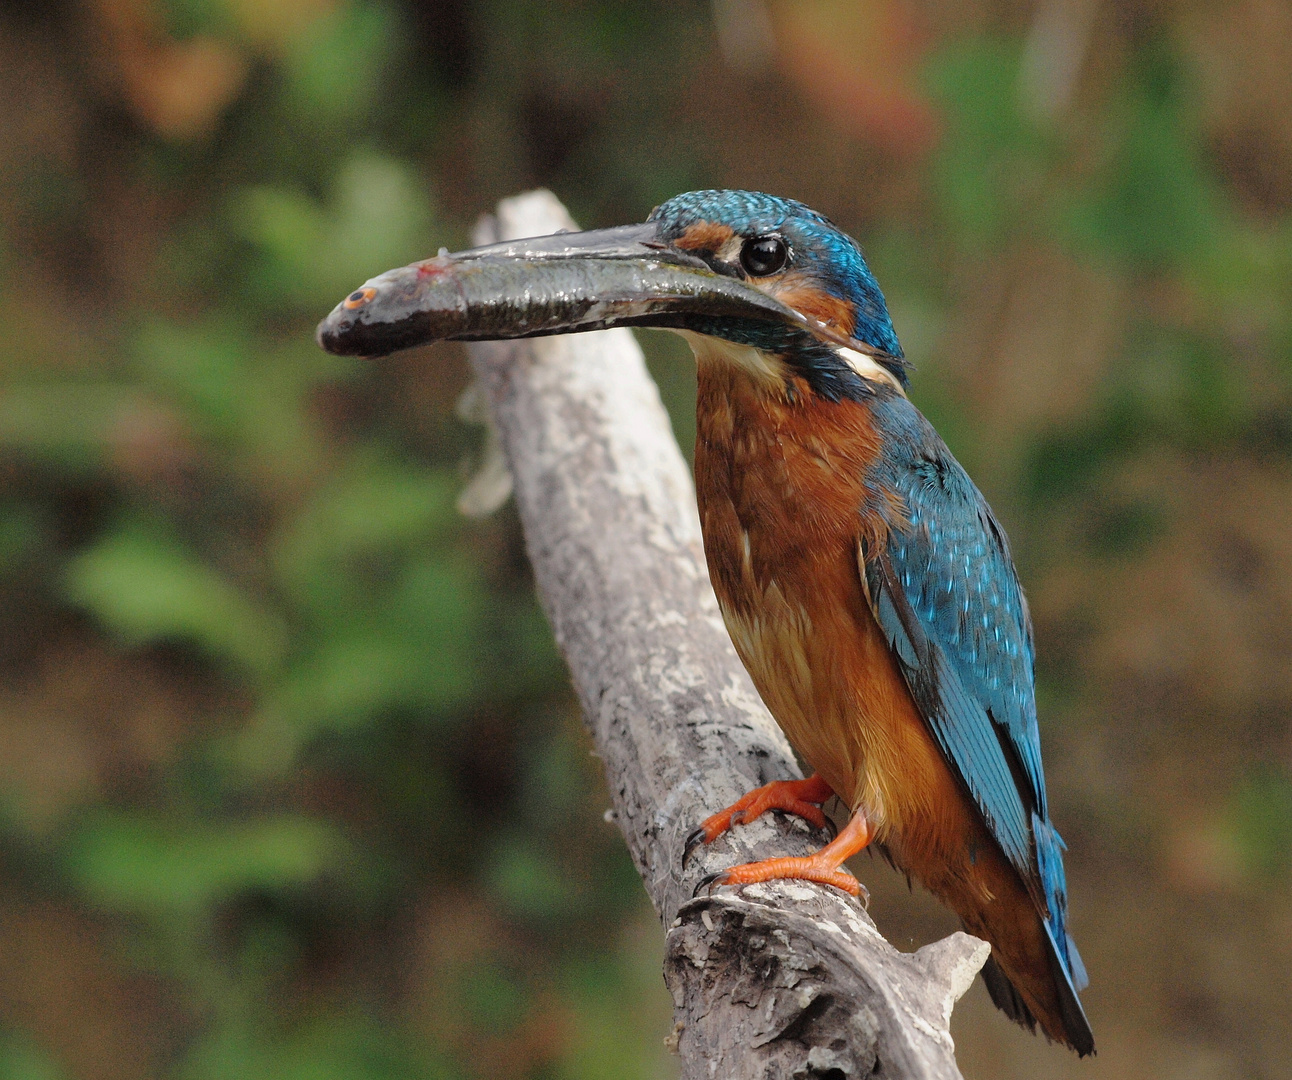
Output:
x,y
779,485
781,494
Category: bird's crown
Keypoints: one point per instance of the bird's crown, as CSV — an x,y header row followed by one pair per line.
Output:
x,y
789,250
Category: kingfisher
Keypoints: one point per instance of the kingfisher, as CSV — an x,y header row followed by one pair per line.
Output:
x,y
866,584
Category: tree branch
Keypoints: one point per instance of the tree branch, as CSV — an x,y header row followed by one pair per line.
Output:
x,y
785,979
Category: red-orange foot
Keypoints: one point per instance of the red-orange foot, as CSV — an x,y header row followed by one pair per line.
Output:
x,y
792,796
823,867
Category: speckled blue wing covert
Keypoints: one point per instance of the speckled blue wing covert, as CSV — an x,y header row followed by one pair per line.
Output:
x,y
945,592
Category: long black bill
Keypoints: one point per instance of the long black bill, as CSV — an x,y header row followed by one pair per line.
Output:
x,y
557,284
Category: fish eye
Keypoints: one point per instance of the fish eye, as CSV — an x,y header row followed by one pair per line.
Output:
x,y
763,255
359,297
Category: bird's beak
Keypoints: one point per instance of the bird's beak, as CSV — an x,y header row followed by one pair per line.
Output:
x,y
566,283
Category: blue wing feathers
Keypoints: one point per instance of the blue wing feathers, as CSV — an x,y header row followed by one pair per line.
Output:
x,y
947,596
1049,855
958,722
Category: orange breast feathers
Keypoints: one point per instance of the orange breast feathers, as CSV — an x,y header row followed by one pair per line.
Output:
x,y
781,500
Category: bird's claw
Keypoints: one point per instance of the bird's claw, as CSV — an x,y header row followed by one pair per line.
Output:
x,y
803,798
829,826
709,881
694,839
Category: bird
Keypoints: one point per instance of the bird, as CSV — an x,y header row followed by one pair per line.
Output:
x,y
866,584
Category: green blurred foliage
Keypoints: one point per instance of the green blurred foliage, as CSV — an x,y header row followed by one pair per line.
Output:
x,y
19,1060
1261,812
144,587
308,589
994,157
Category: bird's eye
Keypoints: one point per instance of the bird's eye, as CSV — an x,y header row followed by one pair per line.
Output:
x,y
763,255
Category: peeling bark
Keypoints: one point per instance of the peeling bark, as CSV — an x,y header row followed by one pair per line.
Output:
x,y
787,979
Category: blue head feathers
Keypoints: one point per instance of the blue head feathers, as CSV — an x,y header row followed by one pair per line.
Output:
x,y
819,255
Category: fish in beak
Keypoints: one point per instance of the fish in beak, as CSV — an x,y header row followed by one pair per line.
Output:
x,y
565,283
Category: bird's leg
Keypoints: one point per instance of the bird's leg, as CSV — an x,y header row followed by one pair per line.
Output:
x,y
822,867
801,797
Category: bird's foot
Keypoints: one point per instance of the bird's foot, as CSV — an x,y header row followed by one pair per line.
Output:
x,y
797,869
799,797
823,867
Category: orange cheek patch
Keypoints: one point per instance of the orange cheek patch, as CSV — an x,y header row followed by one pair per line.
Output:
x,y
705,236
817,303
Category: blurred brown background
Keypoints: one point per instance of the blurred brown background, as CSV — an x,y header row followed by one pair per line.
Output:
x,y
291,782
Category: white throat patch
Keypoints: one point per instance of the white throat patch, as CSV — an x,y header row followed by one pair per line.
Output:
x,y
768,368
761,365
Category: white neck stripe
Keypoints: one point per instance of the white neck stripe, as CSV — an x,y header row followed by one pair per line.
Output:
x,y
869,368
